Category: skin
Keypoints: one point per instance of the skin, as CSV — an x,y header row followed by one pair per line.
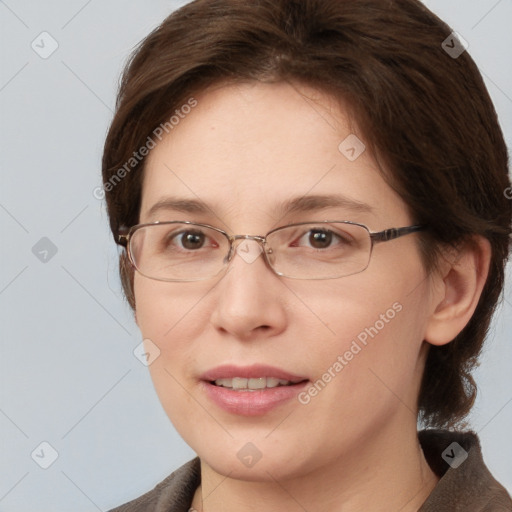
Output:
x,y
244,150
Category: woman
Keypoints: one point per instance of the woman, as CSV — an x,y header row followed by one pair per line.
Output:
x,y
311,198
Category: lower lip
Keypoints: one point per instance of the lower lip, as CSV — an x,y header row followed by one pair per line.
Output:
x,y
252,403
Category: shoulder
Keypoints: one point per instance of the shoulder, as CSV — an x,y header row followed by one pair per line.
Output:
x,y
465,481
174,494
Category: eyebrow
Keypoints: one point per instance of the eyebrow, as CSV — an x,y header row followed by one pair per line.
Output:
x,y
300,204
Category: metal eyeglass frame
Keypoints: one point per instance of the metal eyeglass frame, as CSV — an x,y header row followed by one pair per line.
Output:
x,y
125,234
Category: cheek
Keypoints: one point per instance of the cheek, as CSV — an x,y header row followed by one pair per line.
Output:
x,y
165,309
167,314
377,332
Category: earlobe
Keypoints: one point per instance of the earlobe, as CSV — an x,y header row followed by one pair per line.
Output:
x,y
458,289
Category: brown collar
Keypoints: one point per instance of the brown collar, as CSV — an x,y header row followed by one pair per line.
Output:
x,y
469,487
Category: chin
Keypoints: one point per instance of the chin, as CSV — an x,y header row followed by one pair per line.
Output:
x,y
257,461
262,471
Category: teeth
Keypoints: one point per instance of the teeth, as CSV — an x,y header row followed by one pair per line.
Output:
x,y
238,383
257,383
273,382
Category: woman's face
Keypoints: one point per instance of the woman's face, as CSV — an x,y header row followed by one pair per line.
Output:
x,y
244,151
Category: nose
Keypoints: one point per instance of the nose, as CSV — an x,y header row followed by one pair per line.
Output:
x,y
249,297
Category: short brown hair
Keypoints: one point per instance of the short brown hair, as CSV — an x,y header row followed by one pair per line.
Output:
x,y
425,115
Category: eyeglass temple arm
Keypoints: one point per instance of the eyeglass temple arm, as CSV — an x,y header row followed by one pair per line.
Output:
x,y
122,236
392,233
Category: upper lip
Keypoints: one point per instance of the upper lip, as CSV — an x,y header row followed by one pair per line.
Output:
x,y
254,371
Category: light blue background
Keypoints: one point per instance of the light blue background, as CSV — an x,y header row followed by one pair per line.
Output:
x,y
68,375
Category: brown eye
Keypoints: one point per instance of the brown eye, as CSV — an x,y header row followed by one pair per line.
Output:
x,y
320,239
192,239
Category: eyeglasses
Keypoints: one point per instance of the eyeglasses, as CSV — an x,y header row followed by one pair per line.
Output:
x,y
187,251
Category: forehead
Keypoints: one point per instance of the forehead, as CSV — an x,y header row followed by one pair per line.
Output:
x,y
247,151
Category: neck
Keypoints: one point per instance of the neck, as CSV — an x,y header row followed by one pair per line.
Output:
x,y
386,472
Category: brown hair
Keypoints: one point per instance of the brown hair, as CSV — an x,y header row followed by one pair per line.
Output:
x,y
426,115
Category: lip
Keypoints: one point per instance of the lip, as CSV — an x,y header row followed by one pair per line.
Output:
x,y
250,403
249,372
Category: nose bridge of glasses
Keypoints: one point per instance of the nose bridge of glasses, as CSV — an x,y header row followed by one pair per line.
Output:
x,y
248,247
257,238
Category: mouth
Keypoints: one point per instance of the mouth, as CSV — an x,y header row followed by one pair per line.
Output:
x,y
251,390
253,384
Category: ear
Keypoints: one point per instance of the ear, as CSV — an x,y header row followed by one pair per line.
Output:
x,y
456,290
127,272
